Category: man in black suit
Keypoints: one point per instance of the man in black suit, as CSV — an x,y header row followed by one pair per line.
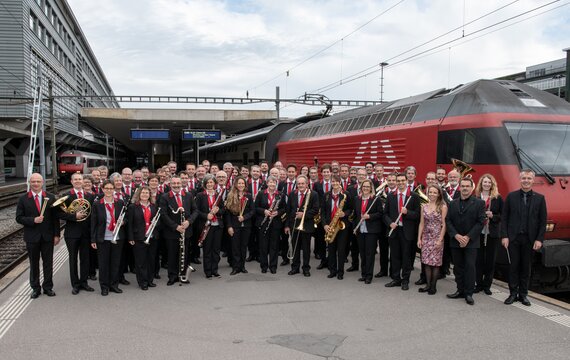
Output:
x,y
301,238
288,186
465,221
450,192
254,186
173,228
404,229
523,224
78,236
41,233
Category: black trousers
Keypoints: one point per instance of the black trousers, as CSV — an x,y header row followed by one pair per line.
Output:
x,y
269,246
302,242
194,248
78,249
520,250
127,259
43,249
464,260
400,249
174,265
384,246
367,245
283,244
446,260
239,246
211,248
252,244
144,261
320,244
485,267
93,263
337,252
109,256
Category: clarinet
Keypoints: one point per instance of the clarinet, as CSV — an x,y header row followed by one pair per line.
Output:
x,y
273,207
208,222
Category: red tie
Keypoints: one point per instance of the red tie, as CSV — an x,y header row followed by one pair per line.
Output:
x,y
254,188
450,191
289,187
401,203
128,188
79,195
327,187
178,200
38,204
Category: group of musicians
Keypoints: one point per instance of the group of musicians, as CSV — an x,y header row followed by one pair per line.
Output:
x,y
142,221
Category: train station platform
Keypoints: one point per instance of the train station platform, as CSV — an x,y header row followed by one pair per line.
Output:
x,y
264,316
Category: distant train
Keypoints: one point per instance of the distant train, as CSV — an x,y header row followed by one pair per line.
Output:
x,y
73,161
497,127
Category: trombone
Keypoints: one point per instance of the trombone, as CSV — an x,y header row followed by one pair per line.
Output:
x,y
291,251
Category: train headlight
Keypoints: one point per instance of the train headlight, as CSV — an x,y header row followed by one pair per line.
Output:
x,y
63,171
550,227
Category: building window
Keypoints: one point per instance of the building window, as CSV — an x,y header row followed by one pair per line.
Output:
x,y
32,22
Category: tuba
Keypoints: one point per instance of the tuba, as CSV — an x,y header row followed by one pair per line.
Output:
x,y
77,205
462,167
423,197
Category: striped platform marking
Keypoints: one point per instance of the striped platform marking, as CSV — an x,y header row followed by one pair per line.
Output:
x,y
535,309
17,304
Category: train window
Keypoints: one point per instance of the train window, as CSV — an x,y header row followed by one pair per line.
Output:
x,y
313,131
412,112
70,160
475,146
374,120
386,117
394,116
403,115
360,123
368,122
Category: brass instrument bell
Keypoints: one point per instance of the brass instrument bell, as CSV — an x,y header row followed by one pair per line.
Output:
x,y
77,205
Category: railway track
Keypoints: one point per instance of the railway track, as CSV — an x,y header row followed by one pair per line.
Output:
x,y
12,251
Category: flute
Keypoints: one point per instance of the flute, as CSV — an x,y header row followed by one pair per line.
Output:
x,y
400,215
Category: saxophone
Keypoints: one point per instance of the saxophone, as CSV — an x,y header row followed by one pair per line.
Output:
x,y
336,224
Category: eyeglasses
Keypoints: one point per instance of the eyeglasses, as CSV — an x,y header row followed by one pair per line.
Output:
x,y
109,188
366,186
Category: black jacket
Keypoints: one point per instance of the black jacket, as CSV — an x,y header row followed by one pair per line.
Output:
x,y
495,222
467,222
137,226
204,209
231,220
374,224
26,211
170,221
99,220
74,228
511,218
312,210
410,221
262,204
327,207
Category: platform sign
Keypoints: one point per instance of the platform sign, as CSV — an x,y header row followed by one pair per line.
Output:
x,y
150,134
208,135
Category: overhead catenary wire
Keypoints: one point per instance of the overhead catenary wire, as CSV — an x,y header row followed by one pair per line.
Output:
x,y
302,62
375,68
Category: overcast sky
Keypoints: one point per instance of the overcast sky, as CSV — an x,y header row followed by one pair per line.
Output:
x,y
225,48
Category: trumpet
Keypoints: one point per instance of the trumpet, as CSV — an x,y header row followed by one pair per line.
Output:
x,y
150,230
118,225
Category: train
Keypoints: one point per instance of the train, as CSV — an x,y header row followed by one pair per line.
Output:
x,y
496,126
73,161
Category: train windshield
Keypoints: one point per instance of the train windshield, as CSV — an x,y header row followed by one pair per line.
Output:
x,y
542,147
70,160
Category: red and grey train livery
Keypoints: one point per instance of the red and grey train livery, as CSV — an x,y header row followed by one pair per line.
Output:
x,y
496,126
73,161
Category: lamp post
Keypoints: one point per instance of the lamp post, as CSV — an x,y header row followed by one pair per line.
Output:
x,y
382,65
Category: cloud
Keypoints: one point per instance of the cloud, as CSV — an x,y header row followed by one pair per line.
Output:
x,y
223,48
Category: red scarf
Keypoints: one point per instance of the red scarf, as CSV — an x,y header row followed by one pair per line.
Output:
x,y
111,210
146,214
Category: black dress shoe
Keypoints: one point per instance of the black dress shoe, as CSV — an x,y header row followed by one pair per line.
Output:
x,y
170,282
35,294
49,292
234,271
87,288
477,290
273,271
424,289
405,286
115,289
293,272
368,281
361,279
340,276
264,271
352,268
306,273
104,292
244,271
209,277
284,262
487,291
393,283
321,266
511,299
144,287
331,275
432,291
151,284
421,281
456,295
524,300
469,300
124,282
75,291
380,274
216,275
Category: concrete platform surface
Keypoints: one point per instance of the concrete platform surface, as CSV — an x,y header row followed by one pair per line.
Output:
x,y
264,316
